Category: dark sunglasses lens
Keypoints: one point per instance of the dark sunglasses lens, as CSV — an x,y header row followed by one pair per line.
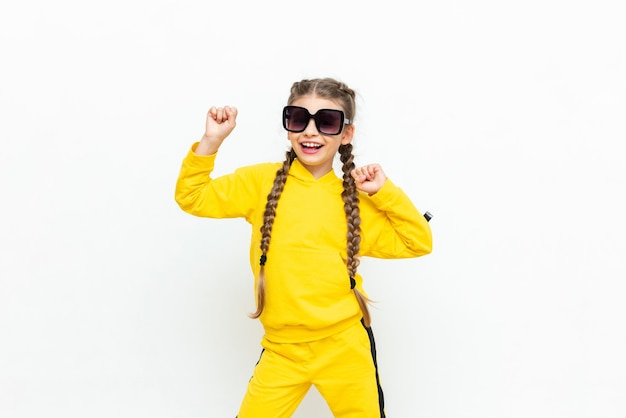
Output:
x,y
295,118
329,122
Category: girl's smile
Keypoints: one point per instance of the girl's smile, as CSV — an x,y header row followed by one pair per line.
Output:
x,y
310,147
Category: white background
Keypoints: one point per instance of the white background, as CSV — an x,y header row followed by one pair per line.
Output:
x,y
506,120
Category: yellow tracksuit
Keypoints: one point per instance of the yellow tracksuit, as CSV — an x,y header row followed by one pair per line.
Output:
x,y
311,315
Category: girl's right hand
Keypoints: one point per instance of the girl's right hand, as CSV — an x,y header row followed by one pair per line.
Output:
x,y
220,122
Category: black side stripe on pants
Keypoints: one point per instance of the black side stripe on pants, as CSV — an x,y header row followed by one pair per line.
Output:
x,y
381,398
257,363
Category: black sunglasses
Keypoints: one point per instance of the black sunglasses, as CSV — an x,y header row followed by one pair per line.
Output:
x,y
327,121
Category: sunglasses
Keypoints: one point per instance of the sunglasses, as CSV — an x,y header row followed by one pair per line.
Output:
x,y
327,121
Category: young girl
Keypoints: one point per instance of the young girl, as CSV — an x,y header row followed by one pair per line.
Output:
x,y
309,229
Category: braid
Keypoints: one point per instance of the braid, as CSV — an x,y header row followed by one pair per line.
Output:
x,y
351,206
266,229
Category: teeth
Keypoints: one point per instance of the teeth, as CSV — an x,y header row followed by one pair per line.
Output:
x,y
311,145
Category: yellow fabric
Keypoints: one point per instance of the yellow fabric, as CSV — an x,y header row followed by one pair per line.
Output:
x,y
308,295
341,367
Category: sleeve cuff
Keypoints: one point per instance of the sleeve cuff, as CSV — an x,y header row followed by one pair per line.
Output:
x,y
386,195
199,161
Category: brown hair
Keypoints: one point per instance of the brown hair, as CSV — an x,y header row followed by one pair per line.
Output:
x,y
337,91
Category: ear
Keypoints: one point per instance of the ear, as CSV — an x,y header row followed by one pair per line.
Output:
x,y
347,134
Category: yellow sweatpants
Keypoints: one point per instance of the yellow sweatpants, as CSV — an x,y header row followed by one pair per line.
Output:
x,y
342,367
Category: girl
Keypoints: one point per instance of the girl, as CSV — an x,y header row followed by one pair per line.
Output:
x,y
308,230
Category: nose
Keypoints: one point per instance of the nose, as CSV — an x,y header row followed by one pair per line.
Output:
x,y
311,128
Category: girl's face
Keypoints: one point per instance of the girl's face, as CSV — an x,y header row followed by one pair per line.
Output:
x,y
317,151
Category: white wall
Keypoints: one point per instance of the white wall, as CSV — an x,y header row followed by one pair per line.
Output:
x,y
504,119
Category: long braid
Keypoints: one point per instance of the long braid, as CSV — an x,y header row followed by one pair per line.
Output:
x,y
351,206
266,229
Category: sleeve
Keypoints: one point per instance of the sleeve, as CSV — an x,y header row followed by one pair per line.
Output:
x,y
233,195
391,226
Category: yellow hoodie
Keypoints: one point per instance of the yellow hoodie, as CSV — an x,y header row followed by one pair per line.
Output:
x,y
308,294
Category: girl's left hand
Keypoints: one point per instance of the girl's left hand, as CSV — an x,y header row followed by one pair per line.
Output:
x,y
369,178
